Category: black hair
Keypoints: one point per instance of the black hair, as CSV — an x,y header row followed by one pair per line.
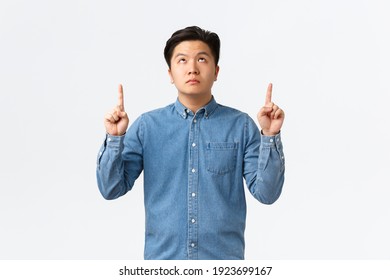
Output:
x,y
192,33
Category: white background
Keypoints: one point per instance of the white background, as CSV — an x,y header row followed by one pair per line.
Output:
x,y
61,63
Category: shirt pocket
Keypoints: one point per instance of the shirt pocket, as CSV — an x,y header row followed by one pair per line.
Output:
x,y
221,157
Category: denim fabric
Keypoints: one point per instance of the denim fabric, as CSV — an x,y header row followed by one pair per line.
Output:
x,y
193,166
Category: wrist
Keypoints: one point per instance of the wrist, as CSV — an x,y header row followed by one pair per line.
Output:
x,y
269,133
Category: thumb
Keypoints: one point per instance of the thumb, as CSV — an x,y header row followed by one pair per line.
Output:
x,y
122,114
265,110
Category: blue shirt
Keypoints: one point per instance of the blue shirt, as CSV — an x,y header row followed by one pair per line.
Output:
x,y
194,165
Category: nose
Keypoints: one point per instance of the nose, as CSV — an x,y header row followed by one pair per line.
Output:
x,y
195,72
193,69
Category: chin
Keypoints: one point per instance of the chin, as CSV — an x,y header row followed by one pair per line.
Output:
x,y
195,94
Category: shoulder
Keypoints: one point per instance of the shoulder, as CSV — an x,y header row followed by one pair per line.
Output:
x,y
240,118
149,119
157,113
230,112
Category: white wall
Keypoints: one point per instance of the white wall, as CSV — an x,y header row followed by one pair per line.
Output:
x,y
61,62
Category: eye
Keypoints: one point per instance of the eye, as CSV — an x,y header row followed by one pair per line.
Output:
x,y
202,59
182,60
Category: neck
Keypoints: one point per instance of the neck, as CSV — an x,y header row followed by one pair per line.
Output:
x,y
194,102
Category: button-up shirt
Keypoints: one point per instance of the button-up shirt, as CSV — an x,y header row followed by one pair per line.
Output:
x,y
193,166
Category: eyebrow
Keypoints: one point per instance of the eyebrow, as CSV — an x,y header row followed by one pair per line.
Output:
x,y
199,53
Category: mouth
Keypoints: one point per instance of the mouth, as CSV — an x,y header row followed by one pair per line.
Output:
x,y
192,82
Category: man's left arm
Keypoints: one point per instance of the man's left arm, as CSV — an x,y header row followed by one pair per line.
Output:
x,y
264,161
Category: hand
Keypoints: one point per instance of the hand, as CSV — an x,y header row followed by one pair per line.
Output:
x,y
270,117
116,121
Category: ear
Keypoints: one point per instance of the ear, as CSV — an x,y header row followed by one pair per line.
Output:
x,y
216,72
170,75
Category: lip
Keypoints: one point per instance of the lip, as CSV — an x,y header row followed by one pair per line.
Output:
x,y
192,81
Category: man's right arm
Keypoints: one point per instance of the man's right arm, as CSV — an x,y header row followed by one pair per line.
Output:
x,y
109,170
119,161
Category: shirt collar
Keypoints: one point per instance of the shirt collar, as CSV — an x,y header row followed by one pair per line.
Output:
x,y
209,108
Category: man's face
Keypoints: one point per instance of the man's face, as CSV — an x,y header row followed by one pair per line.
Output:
x,y
193,69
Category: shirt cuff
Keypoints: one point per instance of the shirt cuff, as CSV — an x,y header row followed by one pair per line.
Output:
x,y
114,141
274,143
271,140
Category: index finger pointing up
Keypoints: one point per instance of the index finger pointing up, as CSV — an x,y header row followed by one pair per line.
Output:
x,y
268,97
120,97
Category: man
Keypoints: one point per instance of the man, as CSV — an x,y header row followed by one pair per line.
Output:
x,y
194,154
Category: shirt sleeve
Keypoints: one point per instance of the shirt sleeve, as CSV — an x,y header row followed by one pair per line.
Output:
x,y
264,164
120,162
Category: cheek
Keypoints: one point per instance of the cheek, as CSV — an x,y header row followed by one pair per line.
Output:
x,y
177,72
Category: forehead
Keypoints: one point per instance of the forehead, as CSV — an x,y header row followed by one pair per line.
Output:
x,y
191,48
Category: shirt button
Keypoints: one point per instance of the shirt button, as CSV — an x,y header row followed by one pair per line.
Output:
x,y
193,221
194,120
192,245
109,139
193,194
271,140
193,144
193,170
